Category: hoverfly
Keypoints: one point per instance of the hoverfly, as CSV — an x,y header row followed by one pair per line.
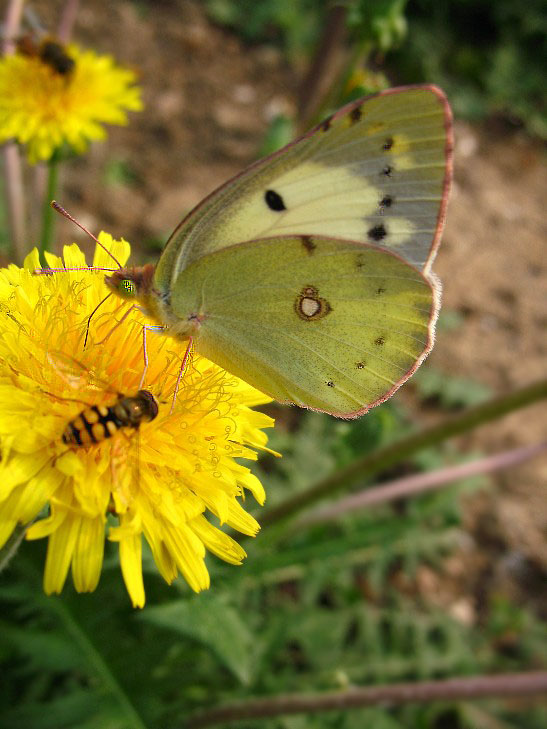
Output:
x,y
95,423
98,422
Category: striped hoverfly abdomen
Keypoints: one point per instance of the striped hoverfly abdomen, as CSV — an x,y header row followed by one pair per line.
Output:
x,y
99,422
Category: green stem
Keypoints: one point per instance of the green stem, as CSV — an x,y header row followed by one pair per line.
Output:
x,y
312,86
95,660
47,210
394,453
10,548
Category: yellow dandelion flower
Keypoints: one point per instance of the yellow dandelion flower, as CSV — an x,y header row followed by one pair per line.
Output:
x,y
159,482
44,109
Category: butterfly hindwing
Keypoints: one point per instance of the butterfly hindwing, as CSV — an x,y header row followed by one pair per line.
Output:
x,y
328,324
376,172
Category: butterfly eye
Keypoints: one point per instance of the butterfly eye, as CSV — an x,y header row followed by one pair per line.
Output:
x,y
127,288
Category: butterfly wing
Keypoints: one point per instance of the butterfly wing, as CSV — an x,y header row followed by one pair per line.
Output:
x,y
326,324
375,172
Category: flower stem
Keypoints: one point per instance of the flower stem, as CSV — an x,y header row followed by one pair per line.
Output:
x,y
12,161
394,453
95,660
419,483
452,689
15,199
68,19
320,71
9,550
47,210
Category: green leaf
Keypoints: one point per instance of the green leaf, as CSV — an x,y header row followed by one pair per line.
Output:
x,y
44,650
280,133
82,708
450,392
208,620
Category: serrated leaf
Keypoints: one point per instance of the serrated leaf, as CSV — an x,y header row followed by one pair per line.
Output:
x,y
81,708
212,623
45,650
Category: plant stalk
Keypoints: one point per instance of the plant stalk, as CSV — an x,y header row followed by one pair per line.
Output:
x,y
453,689
13,174
394,453
47,210
419,483
11,547
320,72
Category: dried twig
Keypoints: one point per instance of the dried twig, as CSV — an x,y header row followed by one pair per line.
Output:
x,y
453,689
421,482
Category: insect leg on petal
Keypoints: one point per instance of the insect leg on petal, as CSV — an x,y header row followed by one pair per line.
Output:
x,y
183,365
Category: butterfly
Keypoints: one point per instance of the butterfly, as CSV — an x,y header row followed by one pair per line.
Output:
x,y
309,274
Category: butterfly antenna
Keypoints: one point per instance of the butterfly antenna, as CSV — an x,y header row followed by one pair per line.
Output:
x,y
60,209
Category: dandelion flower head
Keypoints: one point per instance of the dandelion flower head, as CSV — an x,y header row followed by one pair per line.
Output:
x,y
167,482
44,109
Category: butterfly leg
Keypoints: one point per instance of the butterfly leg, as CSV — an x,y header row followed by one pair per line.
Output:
x,y
183,364
153,328
119,323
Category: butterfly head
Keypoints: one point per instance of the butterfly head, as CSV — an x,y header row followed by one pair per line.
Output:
x,y
136,285
125,287
132,283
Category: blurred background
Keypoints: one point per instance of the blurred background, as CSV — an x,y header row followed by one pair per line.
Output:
x,y
450,583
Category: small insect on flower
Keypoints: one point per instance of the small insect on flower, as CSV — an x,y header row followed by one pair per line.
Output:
x,y
98,422
49,51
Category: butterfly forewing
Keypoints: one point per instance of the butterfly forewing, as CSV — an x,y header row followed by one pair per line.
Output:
x,y
327,324
376,172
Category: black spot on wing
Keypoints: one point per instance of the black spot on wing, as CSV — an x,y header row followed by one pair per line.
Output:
x,y
309,244
330,383
388,144
355,115
387,170
377,233
326,124
386,202
274,201
380,341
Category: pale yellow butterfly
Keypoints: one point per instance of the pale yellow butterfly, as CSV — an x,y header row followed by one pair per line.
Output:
x,y
309,274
